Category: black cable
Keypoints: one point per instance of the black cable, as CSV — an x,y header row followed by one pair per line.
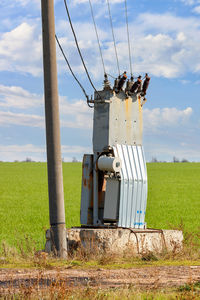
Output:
x,y
57,40
129,46
111,76
114,42
79,51
95,27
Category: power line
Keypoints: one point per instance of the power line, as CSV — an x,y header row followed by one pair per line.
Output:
x,y
92,13
79,51
61,49
111,76
129,46
111,24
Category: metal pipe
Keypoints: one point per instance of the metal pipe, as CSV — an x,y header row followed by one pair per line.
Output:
x,y
54,160
109,163
95,192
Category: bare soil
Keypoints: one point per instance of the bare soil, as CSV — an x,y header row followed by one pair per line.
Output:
x,y
144,278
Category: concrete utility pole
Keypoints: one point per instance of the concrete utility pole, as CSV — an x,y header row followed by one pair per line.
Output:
x,y
54,159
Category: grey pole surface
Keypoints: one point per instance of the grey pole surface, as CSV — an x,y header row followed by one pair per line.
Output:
x,y
54,159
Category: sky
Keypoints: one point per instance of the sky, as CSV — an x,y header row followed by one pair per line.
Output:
x,y
165,43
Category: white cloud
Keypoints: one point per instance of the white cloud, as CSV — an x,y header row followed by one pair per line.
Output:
x,y
171,53
188,2
158,118
29,148
197,9
79,115
38,153
17,97
23,3
21,50
162,45
185,81
74,114
79,120
75,149
194,3
75,2
21,152
171,132
165,152
29,120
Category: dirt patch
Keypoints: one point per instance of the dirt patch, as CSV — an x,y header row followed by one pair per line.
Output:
x,y
146,278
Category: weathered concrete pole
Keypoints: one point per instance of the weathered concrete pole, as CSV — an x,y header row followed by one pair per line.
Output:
x,y
54,159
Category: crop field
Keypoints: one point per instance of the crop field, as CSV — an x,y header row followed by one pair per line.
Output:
x,y
173,199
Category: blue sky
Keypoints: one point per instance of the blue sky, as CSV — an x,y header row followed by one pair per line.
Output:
x,y
165,43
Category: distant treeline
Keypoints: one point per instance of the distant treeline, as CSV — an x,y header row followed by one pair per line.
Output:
x,y
29,159
174,160
153,160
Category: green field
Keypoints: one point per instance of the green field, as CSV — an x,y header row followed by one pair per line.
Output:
x,y
173,198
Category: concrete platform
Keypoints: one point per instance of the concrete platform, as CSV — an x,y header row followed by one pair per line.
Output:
x,y
120,240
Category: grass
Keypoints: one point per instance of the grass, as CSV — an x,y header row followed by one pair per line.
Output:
x,y
173,198
46,262
24,201
59,291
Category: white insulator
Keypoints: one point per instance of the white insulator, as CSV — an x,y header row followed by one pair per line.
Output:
x,y
109,163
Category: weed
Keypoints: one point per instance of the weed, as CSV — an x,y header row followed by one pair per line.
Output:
x,y
106,259
58,290
149,257
190,287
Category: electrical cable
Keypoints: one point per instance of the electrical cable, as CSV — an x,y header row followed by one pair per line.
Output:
x,y
78,48
129,46
100,50
111,76
84,92
61,49
114,42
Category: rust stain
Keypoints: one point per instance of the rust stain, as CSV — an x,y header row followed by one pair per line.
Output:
x,y
84,182
128,108
90,217
87,182
90,180
117,104
104,185
101,193
140,115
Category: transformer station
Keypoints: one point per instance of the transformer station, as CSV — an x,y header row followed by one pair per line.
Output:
x,y
114,177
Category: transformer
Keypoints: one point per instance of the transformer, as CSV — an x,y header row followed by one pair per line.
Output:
x,y
114,177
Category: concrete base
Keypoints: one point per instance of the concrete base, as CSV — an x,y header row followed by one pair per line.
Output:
x,y
120,240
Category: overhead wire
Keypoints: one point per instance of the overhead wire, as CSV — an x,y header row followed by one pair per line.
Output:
x,y
78,48
100,50
62,51
128,36
111,76
114,42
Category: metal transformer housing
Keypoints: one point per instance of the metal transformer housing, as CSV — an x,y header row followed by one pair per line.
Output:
x,y
117,121
115,196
